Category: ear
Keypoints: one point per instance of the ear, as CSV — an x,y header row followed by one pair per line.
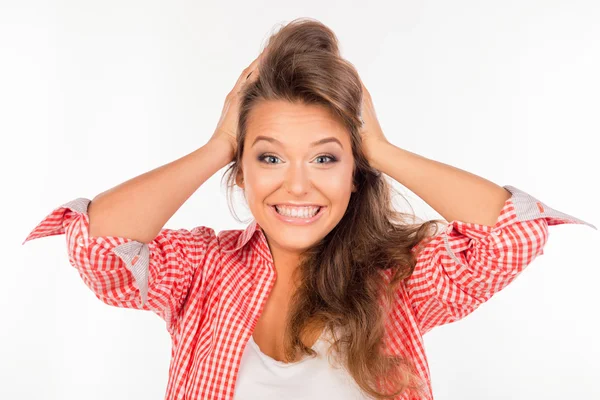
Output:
x,y
353,187
239,179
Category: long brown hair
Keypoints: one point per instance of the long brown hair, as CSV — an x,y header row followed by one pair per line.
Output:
x,y
340,280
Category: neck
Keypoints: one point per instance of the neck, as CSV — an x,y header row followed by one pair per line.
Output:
x,y
286,262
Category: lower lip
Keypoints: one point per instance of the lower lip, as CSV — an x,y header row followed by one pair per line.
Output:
x,y
298,221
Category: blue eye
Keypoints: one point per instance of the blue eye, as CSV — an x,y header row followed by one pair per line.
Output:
x,y
269,156
332,158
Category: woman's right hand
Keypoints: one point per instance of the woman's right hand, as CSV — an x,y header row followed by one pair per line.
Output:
x,y
226,129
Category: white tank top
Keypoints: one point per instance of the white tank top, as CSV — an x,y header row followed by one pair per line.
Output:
x,y
319,378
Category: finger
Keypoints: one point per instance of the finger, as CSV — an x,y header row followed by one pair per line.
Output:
x,y
249,73
254,68
254,64
247,78
252,72
364,88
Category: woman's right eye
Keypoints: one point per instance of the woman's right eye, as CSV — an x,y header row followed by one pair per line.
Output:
x,y
266,157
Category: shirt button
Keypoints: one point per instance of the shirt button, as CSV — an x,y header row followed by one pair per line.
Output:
x,y
80,241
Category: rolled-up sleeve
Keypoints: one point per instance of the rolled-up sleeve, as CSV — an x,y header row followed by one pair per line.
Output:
x,y
467,263
122,272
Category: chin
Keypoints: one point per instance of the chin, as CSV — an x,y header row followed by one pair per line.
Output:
x,y
290,239
293,235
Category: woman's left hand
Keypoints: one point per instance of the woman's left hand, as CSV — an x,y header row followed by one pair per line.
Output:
x,y
371,132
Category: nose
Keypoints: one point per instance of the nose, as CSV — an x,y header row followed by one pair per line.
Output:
x,y
297,181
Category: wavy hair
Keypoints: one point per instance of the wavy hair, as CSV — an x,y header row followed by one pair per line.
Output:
x,y
339,279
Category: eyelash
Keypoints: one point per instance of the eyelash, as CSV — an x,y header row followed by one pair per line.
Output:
x,y
265,155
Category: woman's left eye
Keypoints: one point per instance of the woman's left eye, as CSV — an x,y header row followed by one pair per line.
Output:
x,y
332,158
262,158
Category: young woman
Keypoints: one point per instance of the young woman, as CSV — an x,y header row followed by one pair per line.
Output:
x,y
328,291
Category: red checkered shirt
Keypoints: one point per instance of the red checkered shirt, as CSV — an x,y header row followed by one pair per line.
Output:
x,y
210,288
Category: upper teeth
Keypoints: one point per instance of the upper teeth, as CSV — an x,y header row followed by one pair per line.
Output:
x,y
301,212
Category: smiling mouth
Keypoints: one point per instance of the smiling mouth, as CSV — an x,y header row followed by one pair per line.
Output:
x,y
297,212
298,215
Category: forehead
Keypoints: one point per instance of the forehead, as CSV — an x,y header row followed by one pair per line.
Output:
x,y
294,123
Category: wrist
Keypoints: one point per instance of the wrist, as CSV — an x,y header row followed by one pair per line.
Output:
x,y
222,149
375,152
222,146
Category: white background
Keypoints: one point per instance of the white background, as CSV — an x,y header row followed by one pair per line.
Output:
x,y
95,93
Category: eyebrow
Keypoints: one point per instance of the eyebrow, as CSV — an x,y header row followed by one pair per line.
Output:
x,y
313,144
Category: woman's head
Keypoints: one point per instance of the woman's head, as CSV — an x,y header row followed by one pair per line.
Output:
x,y
306,92
297,159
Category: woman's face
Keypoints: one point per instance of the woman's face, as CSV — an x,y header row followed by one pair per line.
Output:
x,y
297,161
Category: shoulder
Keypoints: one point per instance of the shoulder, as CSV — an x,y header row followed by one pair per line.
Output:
x,y
226,241
228,234
231,239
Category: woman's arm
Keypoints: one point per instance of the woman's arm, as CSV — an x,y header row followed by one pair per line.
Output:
x,y
454,193
138,208
493,235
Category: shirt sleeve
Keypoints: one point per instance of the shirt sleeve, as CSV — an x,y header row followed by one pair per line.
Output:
x,y
122,272
464,266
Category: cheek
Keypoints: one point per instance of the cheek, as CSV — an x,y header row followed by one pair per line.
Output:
x,y
259,184
336,184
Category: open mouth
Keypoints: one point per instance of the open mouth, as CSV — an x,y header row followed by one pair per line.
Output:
x,y
298,215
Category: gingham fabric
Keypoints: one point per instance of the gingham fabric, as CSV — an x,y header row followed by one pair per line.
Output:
x,y
210,288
